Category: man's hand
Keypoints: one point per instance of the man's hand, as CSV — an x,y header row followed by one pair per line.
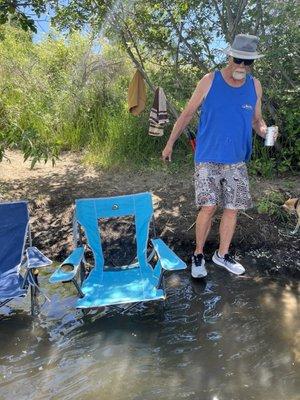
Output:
x,y
167,152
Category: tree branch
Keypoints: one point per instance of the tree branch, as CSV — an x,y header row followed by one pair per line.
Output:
x,y
195,56
241,9
259,20
229,18
222,22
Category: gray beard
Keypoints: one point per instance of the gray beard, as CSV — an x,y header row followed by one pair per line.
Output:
x,y
238,75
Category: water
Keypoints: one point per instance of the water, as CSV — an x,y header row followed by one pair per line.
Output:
x,y
229,338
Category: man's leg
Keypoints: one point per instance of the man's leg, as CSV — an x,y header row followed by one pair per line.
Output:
x,y
207,187
235,195
227,228
203,225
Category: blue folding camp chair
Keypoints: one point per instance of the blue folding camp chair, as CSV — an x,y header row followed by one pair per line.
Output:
x,y
14,254
133,283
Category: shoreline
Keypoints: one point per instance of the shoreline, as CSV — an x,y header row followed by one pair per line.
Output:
x,y
51,192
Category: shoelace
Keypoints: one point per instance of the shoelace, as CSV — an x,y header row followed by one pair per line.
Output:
x,y
228,258
198,259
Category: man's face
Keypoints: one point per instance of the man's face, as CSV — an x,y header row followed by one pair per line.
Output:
x,y
238,71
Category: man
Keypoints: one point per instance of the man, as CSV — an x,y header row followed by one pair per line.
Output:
x,y
231,106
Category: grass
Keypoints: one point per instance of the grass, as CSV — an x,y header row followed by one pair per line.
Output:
x,y
271,203
122,140
289,185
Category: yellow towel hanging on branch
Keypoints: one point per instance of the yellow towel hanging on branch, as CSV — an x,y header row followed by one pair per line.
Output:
x,y
137,94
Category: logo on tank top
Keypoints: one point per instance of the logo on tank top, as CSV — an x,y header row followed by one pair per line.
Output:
x,y
247,107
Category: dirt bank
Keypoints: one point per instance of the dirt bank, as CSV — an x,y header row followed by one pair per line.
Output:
x,y
51,192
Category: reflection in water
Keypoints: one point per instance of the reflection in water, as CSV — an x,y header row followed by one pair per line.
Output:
x,y
221,338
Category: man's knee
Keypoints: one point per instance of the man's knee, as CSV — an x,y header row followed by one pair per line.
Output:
x,y
230,211
208,210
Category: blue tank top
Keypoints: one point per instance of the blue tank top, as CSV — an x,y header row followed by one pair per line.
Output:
x,y
225,124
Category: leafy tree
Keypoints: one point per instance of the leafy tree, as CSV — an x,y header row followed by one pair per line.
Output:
x,y
174,43
20,12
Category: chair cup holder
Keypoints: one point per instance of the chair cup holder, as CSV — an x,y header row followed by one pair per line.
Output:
x,y
67,267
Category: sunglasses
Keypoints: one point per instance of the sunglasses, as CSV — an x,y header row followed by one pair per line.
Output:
x,y
240,61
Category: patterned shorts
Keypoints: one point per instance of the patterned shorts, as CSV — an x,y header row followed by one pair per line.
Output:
x,y
226,185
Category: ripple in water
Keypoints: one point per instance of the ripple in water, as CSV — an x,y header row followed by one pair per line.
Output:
x,y
200,344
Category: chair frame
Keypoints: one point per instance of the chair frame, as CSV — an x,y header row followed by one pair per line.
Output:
x,y
30,277
82,270
78,242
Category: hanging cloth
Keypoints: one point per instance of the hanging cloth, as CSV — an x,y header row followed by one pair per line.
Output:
x,y
137,94
158,114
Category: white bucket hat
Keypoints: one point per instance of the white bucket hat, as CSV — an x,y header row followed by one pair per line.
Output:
x,y
244,47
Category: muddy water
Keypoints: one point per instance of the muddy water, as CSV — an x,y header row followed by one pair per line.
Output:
x,y
223,339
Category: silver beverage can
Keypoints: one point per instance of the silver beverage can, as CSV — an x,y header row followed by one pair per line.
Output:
x,y
270,135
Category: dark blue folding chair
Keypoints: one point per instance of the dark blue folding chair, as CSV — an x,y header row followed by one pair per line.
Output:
x,y
17,254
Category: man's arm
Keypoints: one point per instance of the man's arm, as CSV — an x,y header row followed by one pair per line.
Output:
x,y
258,122
187,114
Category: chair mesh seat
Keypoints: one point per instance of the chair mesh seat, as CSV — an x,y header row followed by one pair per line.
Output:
x,y
10,285
119,287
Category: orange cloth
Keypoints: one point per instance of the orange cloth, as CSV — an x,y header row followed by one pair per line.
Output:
x,y
137,94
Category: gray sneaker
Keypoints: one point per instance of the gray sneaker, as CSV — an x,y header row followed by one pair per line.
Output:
x,y
198,266
229,263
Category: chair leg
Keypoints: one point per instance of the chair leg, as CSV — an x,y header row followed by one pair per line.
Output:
x,y
161,285
161,280
82,272
34,305
25,282
161,306
78,288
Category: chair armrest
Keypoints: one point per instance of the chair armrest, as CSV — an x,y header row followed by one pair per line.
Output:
x,y
73,261
36,259
168,259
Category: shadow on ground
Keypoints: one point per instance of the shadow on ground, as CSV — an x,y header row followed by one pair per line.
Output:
x,y
51,202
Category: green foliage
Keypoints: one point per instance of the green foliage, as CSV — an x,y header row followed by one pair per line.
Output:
x,y
179,41
263,165
270,203
279,74
31,145
37,92
19,13
60,95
